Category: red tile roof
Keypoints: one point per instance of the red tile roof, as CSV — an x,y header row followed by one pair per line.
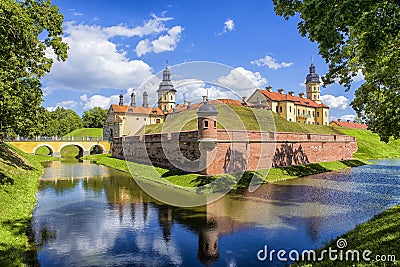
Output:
x,y
275,96
137,109
349,124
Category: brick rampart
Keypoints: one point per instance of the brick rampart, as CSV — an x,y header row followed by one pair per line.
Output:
x,y
233,151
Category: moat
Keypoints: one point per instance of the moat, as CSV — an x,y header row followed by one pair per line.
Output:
x,y
91,215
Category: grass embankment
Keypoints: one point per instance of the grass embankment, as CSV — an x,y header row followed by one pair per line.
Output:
x,y
238,118
370,146
193,181
78,134
380,235
19,173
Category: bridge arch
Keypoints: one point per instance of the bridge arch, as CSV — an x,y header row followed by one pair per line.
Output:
x,y
82,150
52,150
97,149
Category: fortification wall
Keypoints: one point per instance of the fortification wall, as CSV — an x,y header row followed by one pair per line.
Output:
x,y
233,151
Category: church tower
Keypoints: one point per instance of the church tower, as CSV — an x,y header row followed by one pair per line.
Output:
x,y
166,92
313,85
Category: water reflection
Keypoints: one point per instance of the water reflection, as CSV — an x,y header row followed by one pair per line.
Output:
x,y
89,215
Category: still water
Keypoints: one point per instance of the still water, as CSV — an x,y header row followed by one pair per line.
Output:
x,y
91,215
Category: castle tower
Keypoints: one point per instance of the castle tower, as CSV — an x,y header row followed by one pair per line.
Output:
x,y
207,121
145,99
313,85
166,91
133,100
121,100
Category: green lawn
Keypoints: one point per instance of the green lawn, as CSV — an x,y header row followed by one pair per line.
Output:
x,y
380,235
239,118
85,132
19,173
370,146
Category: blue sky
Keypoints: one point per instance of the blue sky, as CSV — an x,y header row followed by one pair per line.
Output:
x,y
115,46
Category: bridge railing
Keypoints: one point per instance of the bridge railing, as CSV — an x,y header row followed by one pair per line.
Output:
x,y
57,139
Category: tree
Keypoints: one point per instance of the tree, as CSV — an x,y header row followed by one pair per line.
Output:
x,y
64,121
353,36
94,118
27,29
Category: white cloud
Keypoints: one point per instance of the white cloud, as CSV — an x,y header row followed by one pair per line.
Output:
x,y
98,101
359,77
350,117
229,25
95,62
339,102
68,104
242,81
167,42
151,26
271,63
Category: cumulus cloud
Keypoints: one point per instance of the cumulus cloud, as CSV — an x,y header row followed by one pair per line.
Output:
x,y
229,25
98,101
359,77
167,42
271,63
68,104
334,102
96,62
242,81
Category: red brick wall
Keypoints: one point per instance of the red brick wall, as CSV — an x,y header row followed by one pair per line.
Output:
x,y
235,151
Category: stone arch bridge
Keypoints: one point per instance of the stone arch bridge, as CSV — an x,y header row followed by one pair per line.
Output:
x,y
56,146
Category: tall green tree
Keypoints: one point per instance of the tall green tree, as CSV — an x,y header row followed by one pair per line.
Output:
x,y
353,36
64,121
94,118
27,29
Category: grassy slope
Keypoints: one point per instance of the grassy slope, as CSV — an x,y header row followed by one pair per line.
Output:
x,y
239,118
84,132
370,146
19,174
381,235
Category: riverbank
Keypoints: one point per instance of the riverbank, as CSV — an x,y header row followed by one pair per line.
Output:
x,y
192,181
380,235
19,173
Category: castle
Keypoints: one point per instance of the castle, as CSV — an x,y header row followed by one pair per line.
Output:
x,y
212,151
126,120
308,110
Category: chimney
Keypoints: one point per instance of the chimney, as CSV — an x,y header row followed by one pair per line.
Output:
x,y
268,88
348,120
133,100
338,120
301,95
145,100
121,100
280,91
186,103
291,93
244,99
205,99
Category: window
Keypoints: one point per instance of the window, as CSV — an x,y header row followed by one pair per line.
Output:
x,y
215,125
298,112
172,97
170,106
276,109
313,88
144,119
164,107
158,120
315,97
326,114
290,109
313,113
165,97
280,109
317,113
205,124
